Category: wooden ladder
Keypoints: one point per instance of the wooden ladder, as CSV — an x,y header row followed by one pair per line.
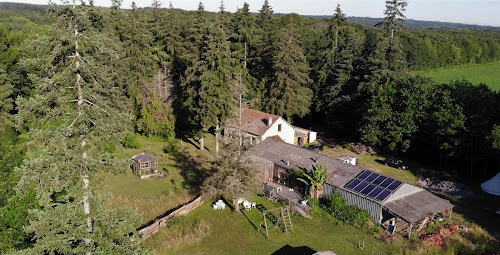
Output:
x,y
286,218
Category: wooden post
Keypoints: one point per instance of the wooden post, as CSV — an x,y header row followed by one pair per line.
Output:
x,y
410,229
423,224
265,222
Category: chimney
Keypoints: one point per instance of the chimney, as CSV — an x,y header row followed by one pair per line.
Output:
x,y
269,121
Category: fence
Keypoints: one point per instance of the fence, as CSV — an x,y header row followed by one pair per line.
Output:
x,y
155,226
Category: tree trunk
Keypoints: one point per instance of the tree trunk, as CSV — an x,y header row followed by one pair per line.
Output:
x,y
85,177
236,205
217,135
202,143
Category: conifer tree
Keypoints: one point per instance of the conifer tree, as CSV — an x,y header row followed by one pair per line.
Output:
x,y
264,55
342,47
288,94
75,119
244,40
209,78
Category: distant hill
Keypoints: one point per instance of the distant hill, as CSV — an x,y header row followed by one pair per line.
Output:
x,y
365,21
23,7
414,24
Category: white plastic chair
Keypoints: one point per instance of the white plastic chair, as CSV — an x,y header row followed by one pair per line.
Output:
x,y
254,205
215,206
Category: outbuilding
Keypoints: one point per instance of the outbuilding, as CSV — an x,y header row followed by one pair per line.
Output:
x,y
144,164
386,199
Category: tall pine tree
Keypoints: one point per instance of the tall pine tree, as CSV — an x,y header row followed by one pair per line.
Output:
x,y
288,95
75,119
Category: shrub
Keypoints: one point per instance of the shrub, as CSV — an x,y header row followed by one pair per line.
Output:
x,y
130,141
346,213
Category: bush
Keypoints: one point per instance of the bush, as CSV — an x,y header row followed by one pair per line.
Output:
x,y
130,141
346,213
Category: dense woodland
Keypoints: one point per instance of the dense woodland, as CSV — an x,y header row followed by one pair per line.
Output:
x,y
74,81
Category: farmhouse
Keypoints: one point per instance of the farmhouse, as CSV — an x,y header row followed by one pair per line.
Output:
x,y
386,199
260,125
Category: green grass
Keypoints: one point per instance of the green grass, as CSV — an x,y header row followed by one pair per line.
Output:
x,y
233,233
185,168
487,73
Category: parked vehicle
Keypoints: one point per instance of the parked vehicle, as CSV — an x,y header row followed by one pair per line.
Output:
x,y
315,147
396,163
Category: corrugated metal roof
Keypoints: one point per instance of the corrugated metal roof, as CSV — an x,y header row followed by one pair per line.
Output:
x,y
144,157
405,190
417,206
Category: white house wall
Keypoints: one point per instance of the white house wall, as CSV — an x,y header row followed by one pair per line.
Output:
x,y
287,132
312,136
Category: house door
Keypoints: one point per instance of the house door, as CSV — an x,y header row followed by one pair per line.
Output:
x,y
284,178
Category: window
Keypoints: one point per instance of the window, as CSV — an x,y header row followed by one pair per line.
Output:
x,y
279,127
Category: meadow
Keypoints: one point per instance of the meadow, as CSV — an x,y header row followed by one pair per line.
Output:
x,y
488,73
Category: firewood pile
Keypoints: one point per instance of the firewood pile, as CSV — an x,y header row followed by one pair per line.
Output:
x,y
438,238
360,148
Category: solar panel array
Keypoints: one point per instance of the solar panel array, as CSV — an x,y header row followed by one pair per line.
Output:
x,y
373,185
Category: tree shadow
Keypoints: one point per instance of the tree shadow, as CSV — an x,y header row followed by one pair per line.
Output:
x,y
191,169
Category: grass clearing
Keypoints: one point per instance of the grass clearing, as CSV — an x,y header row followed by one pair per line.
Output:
x,y
476,73
184,165
234,233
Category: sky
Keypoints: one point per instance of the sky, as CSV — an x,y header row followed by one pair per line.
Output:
x,y
480,12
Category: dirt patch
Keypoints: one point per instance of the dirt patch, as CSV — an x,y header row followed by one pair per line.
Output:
x,y
360,148
438,238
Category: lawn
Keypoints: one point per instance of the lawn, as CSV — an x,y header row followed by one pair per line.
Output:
x,y
207,231
476,73
184,165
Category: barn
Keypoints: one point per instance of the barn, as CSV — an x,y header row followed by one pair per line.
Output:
x,y
386,199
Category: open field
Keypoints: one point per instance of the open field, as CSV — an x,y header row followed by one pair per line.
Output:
x,y
184,165
226,232
476,73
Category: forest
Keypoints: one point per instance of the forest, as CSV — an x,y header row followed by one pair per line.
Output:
x,y
76,81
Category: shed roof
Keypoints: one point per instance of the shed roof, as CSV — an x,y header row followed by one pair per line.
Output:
x,y
417,206
256,122
144,157
290,156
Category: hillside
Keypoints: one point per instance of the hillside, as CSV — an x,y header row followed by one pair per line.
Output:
x,y
365,21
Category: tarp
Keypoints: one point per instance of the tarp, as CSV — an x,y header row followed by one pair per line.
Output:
x,y
492,186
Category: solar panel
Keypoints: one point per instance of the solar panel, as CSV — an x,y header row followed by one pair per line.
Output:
x,y
352,184
363,175
375,192
379,180
373,185
383,195
372,177
360,187
368,189
394,185
386,183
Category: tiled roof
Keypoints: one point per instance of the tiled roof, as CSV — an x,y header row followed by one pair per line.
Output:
x,y
256,122
144,157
